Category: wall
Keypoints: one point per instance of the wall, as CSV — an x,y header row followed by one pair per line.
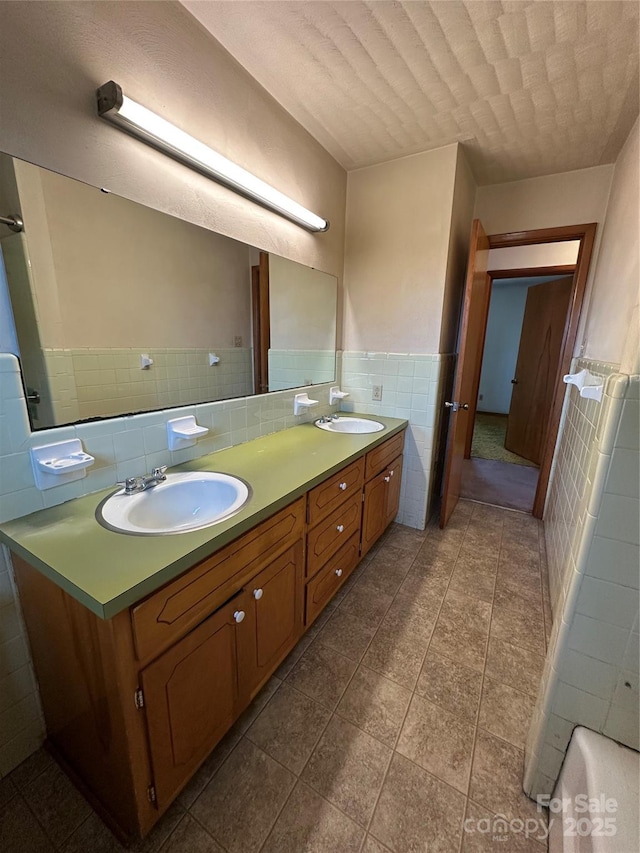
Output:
x,y
52,58
504,326
592,514
613,320
592,534
408,226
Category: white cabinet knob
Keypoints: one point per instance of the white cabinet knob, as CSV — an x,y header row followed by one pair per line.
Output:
x,y
387,479
340,528
343,486
391,473
339,572
257,594
238,615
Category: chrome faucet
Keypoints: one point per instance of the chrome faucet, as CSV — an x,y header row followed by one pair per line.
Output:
x,y
133,485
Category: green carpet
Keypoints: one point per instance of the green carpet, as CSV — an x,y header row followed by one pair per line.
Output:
x,y
488,440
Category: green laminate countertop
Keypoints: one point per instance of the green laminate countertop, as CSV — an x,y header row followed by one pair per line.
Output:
x,y
109,571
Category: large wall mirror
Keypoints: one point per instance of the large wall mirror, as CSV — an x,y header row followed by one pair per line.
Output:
x,y
117,308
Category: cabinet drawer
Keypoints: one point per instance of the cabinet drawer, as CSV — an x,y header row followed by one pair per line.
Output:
x,y
330,494
321,589
383,455
330,535
176,608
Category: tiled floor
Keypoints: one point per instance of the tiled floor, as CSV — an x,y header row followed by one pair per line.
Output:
x,y
399,718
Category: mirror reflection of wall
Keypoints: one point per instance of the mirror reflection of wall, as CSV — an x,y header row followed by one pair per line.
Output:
x,y
97,281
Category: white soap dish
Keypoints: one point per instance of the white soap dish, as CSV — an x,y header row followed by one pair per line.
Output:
x,y
60,462
184,432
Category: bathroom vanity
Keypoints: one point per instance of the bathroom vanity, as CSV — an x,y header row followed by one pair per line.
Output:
x,y
147,649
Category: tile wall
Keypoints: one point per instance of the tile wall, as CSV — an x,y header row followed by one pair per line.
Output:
x,y
121,446
85,383
413,387
592,527
294,368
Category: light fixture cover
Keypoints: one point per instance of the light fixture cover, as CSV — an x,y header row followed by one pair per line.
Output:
x,y
137,120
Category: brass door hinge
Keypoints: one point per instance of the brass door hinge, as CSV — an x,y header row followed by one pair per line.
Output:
x,y
139,698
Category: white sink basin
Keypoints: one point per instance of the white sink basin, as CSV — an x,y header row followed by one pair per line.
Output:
x,y
351,425
181,503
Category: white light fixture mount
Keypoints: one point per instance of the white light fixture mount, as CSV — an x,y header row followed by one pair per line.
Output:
x,y
117,108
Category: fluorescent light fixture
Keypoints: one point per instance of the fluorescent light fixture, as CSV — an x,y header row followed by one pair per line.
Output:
x,y
137,120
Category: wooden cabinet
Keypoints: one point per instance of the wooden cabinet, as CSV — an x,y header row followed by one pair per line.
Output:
x,y
135,704
191,695
273,623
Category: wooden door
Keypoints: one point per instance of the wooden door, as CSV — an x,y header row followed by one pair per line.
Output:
x,y
274,621
261,323
543,330
374,512
393,490
191,697
472,330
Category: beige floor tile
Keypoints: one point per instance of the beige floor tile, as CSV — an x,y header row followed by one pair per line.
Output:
x,y
212,764
425,591
519,629
345,633
190,837
249,715
505,712
439,742
461,644
311,824
518,582
515,666
348,767
289,728
322,674
417,812
440,545
370,606
520,602
452,686
57,802
395,654
386,571
31,767
467,578
372,845
496,778
242,802
94,836
521,554
485,833
375,704
464,611
432,565
20,831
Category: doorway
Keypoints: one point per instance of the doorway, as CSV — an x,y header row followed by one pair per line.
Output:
x,y
473,326
525,327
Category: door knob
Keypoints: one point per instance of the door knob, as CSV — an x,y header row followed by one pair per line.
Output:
x,y
456,405
238,615
257,594
514,381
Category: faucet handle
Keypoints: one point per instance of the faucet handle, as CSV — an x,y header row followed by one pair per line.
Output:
x,y
159,472
130,484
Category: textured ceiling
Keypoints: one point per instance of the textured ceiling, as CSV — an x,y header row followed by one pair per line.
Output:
x,y
530,88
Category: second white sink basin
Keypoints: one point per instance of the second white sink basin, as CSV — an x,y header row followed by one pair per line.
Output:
x,y
181,503
353,425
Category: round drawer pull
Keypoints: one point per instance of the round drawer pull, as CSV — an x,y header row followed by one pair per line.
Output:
x,y
343,486
238,615
340,528
387,479
257,594
339,572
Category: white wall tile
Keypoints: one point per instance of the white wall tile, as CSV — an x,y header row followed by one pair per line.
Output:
x,y
597,639
619,518
579,707
615,561
588,674
622,725
607,602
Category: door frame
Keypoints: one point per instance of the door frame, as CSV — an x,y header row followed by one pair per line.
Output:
x,y
585,234
525,272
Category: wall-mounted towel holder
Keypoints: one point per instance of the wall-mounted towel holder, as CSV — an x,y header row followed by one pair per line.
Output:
x,y
588,385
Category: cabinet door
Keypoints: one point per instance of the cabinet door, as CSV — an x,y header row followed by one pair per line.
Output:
x,y
274,619
375,511
191,697
393,492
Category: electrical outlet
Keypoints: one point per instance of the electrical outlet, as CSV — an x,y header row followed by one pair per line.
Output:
x,y
376,392
237,341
